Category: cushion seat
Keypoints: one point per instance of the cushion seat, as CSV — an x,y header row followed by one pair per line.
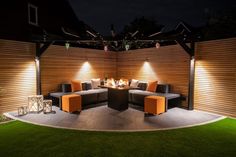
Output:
x,y
154,104
71,103
91,91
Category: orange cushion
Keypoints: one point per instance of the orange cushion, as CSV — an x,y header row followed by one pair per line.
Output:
x,y
152,86
76,85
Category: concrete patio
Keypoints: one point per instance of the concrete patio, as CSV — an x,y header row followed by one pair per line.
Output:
x,y
102,118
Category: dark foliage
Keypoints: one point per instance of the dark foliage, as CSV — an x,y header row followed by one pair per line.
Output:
x,y
221,24
145,27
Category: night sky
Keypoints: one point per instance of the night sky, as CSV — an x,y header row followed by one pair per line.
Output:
x,y
102,13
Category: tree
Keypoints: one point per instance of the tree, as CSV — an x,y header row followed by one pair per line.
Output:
x,y
220,24
143,27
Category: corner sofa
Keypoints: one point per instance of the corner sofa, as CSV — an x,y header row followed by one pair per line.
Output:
x,y
88,95
136,96
93,96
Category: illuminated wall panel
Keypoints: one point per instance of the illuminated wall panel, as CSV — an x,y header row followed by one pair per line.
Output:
x,y
60,65
167,64
215,76
17,74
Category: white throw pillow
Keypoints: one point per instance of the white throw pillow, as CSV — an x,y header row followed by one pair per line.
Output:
x,y
134,83
95,83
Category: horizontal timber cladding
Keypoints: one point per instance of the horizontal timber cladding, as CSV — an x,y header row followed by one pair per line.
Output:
x,y
215,76
215,71
59,65
17,74
168,64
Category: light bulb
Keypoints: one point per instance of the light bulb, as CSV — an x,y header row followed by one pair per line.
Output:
x,y
157,45
126,47
67,45
106,48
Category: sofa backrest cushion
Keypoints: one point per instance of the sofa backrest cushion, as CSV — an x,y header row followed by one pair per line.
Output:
x,y
84,86
152,86
163,88
88,85
142,85
65,88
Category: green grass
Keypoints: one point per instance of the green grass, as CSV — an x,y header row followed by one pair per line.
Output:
x,y
211,140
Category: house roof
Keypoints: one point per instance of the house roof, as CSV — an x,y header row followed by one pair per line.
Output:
x,y
58,23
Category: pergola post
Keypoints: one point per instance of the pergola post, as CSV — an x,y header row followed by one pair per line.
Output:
x,y
190,50
191,83
39,51
38,75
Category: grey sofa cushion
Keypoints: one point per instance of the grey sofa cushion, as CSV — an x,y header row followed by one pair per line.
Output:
x,y
84,92
137,96
169,95
84,86
57,94
137,91
88,85
102,94
101,90
142,85
93,96
65,88
88,96
163,88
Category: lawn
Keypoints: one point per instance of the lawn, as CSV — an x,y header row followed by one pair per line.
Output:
x,y
211,140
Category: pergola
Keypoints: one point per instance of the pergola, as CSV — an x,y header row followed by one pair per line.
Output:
x,y
181,35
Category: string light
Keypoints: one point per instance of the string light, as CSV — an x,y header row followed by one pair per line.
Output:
x,y
67,45
157,45
105,48
127,47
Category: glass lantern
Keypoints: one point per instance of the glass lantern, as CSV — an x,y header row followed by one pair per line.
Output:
x,y
35,103
47,106
23,110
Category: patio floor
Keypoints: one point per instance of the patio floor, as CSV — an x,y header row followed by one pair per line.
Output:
x,y
103,118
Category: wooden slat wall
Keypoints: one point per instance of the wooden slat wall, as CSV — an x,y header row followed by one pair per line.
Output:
x,y
168,64
59,65
215,77
17,74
